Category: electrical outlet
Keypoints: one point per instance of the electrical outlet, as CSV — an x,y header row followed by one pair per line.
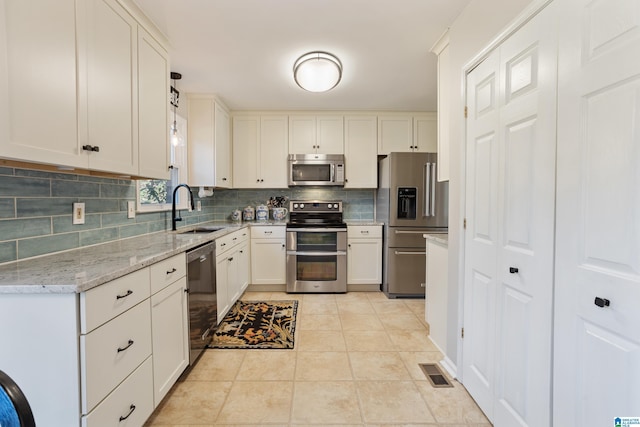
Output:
x,y
198,205
78,213
131,209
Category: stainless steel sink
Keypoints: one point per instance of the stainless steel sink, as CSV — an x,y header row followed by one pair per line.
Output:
x,y
202,230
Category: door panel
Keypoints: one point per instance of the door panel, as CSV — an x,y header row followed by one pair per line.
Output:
x,y
510,235
481,236
598,233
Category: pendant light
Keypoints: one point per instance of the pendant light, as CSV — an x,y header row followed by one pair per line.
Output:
x,y
175,136
317,71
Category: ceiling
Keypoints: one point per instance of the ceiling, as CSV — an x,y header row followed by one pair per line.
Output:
x,y
244,50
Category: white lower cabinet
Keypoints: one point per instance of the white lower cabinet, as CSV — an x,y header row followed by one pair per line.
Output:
x,y
130,404
232,257
364,255
436,297
268,255
170,336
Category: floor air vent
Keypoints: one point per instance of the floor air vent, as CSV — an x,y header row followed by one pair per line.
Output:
x,y
435,375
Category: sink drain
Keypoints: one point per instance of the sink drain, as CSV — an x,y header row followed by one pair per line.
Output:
x,y
435,375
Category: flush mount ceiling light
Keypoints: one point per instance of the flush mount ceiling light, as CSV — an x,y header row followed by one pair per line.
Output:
x,y
317,71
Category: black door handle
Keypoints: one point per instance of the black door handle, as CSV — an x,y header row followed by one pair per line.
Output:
x,y
602,302
513,270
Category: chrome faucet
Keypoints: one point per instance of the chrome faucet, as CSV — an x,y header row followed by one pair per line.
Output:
x,y
175,219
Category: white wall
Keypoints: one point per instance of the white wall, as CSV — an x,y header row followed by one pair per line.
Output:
x,y
478,24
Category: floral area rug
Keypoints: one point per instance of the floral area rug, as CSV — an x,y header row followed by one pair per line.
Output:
x,y
257,324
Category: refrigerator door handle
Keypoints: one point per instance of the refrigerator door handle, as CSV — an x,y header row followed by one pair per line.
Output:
x,y
433,189
427,186
409,232
409,253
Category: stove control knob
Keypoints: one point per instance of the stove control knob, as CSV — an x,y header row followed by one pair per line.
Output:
x,y
329,206
295,206
301,205
335,206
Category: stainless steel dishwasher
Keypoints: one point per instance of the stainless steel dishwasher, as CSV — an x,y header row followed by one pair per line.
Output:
x,y
202,300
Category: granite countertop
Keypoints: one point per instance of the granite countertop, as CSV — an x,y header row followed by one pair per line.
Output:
x,y
440,238
363,222
81,269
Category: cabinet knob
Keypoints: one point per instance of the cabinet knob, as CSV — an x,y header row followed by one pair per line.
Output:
x,y
513,270
170,167
91,148
602,302
257,180
349,245
224,179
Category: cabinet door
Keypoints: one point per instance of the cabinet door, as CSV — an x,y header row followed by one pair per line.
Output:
x,y
395,133
244,266
38,87
274,136
233,283
153,108
222,286
302,134
268,257
222,147
200,134
364,261
361,151
109,63
330,135
170,336
425,135
436,298
246,139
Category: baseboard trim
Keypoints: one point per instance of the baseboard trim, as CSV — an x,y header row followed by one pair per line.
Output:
x,y
267,288
450,367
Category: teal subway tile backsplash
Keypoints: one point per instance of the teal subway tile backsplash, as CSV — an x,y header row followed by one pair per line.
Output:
x,y
7,208
25,187
35,210
8,251
61,188
44,207
43,245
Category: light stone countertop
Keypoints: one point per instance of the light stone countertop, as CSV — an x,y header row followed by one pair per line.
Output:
x,y
362,222
84,268
440,238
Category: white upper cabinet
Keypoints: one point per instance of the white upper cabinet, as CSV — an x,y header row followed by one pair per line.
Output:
x,y
260,151
80,110
361,151
153,109
407,132
316,134
441,48
38,95
108,126
209,142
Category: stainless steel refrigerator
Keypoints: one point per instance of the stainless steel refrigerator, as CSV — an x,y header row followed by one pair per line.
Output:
x,y
410,202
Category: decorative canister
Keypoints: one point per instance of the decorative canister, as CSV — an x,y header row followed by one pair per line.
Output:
x,y
248,213
279,213
262,212
236,215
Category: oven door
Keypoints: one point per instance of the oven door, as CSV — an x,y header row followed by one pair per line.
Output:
x,y
316,260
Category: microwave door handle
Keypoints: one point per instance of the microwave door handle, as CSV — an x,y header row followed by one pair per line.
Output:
x,y
333,173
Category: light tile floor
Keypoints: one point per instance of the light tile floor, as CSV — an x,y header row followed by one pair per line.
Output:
x,y
355,363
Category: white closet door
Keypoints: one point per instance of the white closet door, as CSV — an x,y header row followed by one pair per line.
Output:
x,y
597,349
481,243
508,309
524,306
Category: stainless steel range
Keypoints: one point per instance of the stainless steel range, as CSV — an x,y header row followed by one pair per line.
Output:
x,y
316,247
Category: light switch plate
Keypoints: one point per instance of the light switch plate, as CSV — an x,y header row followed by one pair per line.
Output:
x,y
131,209
198,206
78,213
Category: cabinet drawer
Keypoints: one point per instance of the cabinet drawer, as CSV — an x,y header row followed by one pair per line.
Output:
x,y
111,352
224,243
166,272
100,304
364,231
268,232
134,397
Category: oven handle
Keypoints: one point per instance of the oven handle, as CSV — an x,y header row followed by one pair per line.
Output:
x,y
318,230
409,253
317,253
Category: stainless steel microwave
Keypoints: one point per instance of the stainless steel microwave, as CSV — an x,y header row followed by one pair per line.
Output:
x,y
316,170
